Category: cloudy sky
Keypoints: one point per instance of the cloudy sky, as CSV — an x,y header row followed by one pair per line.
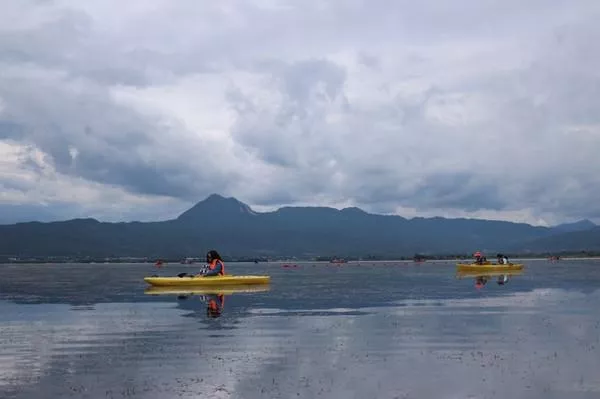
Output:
x,y
136,110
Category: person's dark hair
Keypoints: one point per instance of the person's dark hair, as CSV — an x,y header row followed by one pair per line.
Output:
x,y
212,254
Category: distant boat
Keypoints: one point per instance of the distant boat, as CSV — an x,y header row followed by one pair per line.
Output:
x,y
419,258
338,261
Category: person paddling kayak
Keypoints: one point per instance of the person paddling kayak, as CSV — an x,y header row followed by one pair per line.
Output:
x,y
502,259
214,265
480,259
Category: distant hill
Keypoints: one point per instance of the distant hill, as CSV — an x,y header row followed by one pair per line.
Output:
x,y
235,229
581,225
573,241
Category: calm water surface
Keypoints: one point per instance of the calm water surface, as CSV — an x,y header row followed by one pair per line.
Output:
x,y
391,330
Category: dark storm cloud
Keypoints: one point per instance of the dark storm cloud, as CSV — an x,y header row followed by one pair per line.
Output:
x,y
84,133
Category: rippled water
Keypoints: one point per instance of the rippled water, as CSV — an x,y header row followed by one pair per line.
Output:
x,y
390,330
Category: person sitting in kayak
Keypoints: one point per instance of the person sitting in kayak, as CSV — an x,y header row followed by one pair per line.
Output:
x,y
479,258
502,259
214,265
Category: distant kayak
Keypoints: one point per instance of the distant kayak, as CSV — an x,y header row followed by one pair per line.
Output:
x,y
191,281
489,267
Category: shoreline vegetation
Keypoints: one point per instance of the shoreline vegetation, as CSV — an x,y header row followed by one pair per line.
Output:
x,y
419,258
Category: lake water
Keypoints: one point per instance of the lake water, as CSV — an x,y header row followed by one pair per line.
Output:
x,y
386,330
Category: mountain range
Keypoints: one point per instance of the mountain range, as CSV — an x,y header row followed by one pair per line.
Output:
x,y
235,230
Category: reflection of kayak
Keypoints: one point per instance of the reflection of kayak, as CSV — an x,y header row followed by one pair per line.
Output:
x,y
188,281
464,267
490,273
225,290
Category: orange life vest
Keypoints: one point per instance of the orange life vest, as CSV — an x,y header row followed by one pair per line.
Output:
x,y
213,265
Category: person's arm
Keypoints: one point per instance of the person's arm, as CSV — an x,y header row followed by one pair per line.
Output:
x,y
202,271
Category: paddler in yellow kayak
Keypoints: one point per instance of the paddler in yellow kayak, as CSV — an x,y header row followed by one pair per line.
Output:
x,y
503,260
214,265
480,259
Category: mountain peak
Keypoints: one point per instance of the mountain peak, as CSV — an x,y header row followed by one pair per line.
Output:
x,y
215,198
354,210
216,205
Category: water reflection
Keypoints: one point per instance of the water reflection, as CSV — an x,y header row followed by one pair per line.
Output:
x,y
482,278
213,296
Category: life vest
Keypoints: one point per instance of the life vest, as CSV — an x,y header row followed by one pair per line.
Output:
x,y
213,265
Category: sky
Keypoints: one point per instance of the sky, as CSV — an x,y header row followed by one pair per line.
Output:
x,y
137,110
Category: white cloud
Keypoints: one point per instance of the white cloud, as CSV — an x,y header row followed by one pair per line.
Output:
x,y
472,109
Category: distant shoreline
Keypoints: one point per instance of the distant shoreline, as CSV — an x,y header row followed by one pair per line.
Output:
x,y
428,260
289,261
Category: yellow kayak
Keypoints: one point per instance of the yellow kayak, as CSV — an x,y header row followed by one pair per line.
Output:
x,y
189,281
225,290
490,267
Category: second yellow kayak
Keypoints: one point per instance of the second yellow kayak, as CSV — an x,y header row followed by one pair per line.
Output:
x,y
189,281
473,267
